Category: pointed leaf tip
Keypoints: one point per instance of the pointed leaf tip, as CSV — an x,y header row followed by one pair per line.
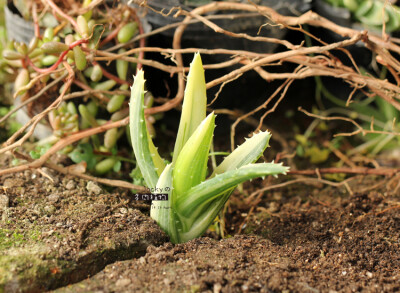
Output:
x,y
194,104
192,160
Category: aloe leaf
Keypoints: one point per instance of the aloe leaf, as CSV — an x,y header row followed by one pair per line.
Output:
x,y
191,165
194,105
393,22
364,8
187,203
246,153
351,5
389,112
161,211
158,162
139,135
374,15
201,224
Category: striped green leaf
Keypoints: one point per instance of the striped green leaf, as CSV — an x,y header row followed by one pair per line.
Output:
x,y
191,165
139,135
194,105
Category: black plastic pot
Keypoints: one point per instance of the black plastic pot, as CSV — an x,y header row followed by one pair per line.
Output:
x,y
21,30
199,35
361,55
339,15
18,29
343,17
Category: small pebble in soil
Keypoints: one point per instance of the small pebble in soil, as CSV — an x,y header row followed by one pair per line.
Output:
x,y
53,198
93,188
142,260
4,201
217,288
70,185
13,182
273,207
123,282
50,209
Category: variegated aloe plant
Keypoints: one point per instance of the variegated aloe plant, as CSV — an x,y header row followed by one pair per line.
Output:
x,y
193,199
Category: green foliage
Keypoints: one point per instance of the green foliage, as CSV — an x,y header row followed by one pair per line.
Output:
x,y
372,111
9,238
39,151
84,153
46,57
97,163
11,126
372,13
194,200
311,150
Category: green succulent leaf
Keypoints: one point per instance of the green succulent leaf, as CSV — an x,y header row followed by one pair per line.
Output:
x,y
84,153
208,214
210,189
161,211
158,162
246,153
193,202
191,165
139,135
194,104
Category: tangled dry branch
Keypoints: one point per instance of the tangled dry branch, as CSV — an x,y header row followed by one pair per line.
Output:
x,y
317,60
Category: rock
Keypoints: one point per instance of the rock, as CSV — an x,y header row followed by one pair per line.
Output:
x,y
93,188
13,182
217,288
50,209
142,260
53,198
123,282
273,207
4,201
70,185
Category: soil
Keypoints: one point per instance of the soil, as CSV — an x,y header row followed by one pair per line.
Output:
x,y
56,231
